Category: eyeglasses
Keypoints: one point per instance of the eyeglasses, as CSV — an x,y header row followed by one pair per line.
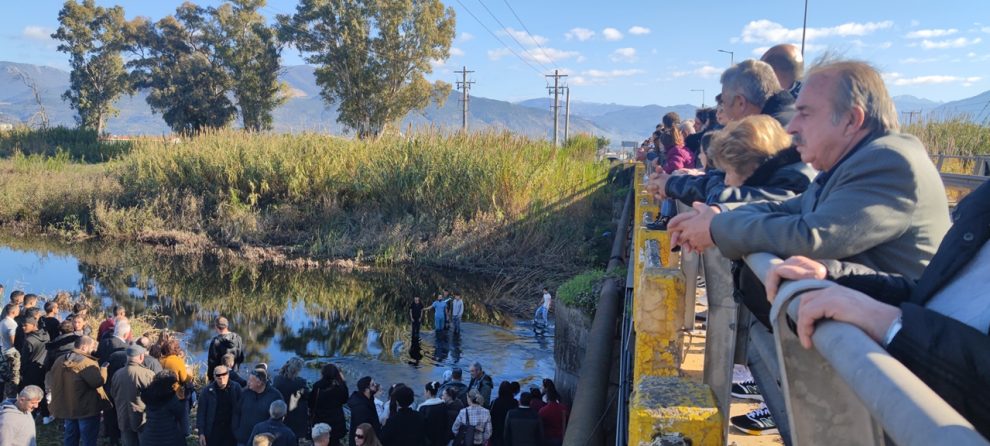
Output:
x,y
220,374
359,436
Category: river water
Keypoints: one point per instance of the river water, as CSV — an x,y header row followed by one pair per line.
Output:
x,y
357,320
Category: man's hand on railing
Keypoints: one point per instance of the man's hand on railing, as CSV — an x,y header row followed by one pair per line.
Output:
x,y
845,305
794,268
691,230
657,185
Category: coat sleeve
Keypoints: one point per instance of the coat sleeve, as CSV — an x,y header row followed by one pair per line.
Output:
x,y
203,410
888,288
869,204
950,357
458,421
487,432
691,188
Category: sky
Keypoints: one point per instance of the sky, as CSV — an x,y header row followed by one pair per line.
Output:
x,y
644,52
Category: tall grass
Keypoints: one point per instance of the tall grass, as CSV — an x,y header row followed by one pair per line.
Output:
x,y
957,136
79,144
479,200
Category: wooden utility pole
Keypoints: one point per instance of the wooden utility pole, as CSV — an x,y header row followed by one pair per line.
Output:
x,y
465,86
567,112
556,103
911,114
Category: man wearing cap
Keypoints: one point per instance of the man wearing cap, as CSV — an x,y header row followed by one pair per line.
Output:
x,y
125,390
224,342
252,407
215,415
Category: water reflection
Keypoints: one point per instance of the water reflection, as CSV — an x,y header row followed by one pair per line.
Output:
x,y
360,319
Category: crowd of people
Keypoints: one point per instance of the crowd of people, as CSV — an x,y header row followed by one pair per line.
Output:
x,y
138,390
811,166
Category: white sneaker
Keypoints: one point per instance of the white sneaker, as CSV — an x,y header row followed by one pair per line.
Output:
x,y
741,374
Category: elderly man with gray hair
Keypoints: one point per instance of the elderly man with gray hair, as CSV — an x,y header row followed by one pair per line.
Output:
x,y
274,425
321,434
16,423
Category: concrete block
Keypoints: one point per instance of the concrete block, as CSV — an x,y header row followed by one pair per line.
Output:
x,y
672,411
658,316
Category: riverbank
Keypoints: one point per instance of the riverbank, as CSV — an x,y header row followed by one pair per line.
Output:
x,y
483,202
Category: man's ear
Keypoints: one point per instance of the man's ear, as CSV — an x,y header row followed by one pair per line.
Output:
x,y
856,118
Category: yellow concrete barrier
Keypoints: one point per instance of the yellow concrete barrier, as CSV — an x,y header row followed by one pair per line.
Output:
x,y
670,409
658,316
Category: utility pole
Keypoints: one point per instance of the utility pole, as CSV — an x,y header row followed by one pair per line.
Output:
x,y
911,114
464,85
567,112
556,103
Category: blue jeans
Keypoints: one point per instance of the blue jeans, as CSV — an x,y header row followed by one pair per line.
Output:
x,y
83,431
457,323
541,313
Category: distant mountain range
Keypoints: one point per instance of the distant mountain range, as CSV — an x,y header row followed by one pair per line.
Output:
x,y
306,110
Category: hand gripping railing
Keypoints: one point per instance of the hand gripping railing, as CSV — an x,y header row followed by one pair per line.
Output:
x,y
847,390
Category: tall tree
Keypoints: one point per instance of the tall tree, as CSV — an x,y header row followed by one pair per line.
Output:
x,y
177,60
372,55
92,37
250,51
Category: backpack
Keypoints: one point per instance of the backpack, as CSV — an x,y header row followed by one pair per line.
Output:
x,y
465,433
224,345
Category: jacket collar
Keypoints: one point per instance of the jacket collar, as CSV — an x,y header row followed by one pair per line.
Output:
x,y
769,167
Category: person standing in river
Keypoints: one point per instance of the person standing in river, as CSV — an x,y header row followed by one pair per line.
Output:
x,y
416,314
544,309
439,308
223,343
457,311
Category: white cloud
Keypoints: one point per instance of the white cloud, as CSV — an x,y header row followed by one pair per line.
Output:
x,y
952,43
623,55
639,31
612,34
580,34
706,71
899,80
456,52
985,29
466,37
612,73
579,80
437,63
38,33
916,60
765,31
538,55
524,37
929,33
915,23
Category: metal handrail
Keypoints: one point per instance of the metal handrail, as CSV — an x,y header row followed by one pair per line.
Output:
x,y
845,361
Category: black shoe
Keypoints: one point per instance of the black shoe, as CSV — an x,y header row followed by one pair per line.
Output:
x,y
659,225
746,390
702,316
757,422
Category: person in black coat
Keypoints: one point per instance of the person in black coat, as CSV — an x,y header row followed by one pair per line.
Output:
x,y
499,408
937,326
33,354
522,425
362,407
61,345
453,405
405,427
214,418
114,342
435,414
295,391
275,427
327,400
164,424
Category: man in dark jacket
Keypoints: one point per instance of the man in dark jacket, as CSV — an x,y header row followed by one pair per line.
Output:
x,y
253,406
405,426
33,354
522,425
223,343
457,383
938,325
274,426
362,407
215,415
63,344
115,341
481,382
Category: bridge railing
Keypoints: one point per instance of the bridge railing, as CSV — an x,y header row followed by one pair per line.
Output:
x,y
847,389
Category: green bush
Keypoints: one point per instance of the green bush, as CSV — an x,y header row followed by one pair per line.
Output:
x,y
79,144
582,290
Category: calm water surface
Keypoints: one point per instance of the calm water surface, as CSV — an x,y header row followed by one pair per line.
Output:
x,y
357,320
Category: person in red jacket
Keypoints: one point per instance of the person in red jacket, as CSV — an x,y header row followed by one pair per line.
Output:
x,y
553,415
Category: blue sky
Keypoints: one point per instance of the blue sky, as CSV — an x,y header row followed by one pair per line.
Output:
x,y
646,52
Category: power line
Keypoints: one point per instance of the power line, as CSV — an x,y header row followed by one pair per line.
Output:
x,y
506,28
537,42
497,38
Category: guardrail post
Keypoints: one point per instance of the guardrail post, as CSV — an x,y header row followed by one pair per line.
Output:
x,y
721,337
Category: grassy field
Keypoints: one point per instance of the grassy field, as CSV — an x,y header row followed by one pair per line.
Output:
x,y
492,202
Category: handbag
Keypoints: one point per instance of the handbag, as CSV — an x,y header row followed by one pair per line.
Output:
x,y
465,433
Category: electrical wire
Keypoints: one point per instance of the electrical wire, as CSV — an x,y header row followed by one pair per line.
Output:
x,y
497,38
506,28
543,50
